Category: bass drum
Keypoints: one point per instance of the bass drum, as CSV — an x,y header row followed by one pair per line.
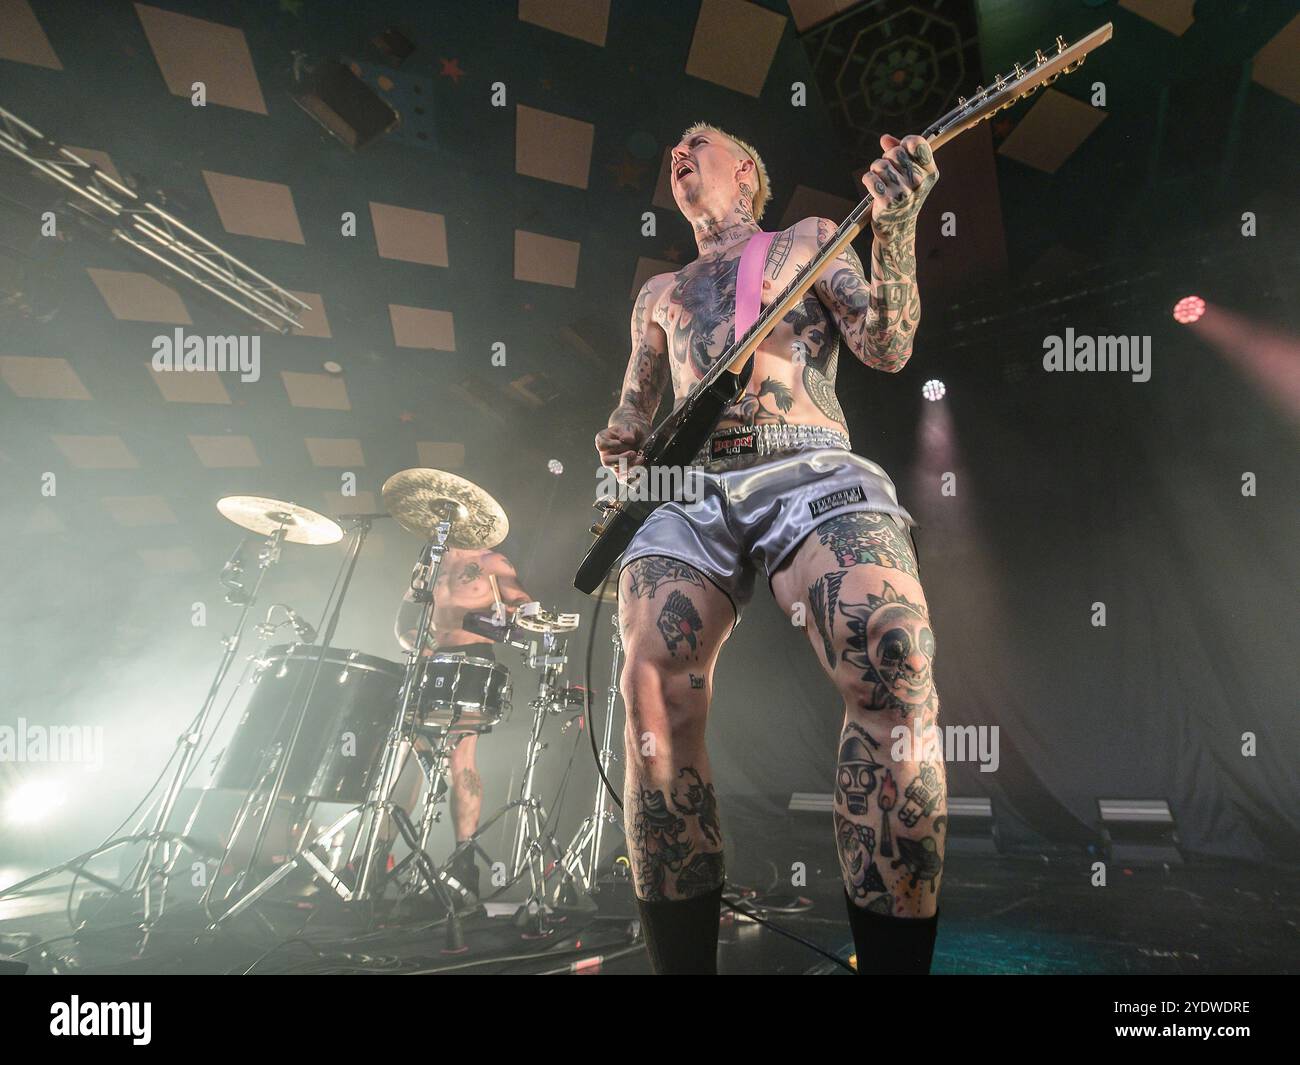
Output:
x,y
348,718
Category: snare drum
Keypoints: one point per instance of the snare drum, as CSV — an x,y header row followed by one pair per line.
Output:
x,y
461,693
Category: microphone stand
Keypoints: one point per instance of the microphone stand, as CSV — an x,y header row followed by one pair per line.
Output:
x,y
190,740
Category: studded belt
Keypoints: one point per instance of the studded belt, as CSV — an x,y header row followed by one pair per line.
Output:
x,y
741,446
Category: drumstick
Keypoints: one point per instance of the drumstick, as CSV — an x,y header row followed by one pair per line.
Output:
x,y
496,594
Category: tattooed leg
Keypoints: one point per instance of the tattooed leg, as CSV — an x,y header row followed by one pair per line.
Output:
x,y
868,622
466,788
673,623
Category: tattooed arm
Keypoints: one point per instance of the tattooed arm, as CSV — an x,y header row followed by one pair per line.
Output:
x,y
878,316
512,592
643,382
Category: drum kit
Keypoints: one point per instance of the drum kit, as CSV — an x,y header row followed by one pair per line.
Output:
x,y
329,725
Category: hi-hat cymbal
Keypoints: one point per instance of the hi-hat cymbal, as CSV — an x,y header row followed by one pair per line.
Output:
x,y
419,499
264,516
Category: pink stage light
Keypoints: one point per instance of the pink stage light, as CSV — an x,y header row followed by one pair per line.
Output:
x,y
1189,309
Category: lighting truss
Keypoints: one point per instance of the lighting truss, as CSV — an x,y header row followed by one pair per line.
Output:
x,y
151,230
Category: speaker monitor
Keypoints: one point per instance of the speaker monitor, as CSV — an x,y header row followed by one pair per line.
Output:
x,y
345,105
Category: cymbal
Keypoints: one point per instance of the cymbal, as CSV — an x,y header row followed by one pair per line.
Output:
x,y
265,516
420,498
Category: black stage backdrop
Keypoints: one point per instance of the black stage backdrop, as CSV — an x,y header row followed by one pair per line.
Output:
x,y
1083,490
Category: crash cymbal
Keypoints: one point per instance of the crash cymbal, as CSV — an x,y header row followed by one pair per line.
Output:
x,y
419,499
264,516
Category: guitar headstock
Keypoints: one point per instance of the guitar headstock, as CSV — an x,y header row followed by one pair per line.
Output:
x,y
1007,89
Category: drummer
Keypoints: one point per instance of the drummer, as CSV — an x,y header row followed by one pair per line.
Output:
x,y
464,585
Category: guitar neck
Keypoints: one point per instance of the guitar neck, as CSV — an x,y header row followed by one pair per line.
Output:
x,y
969,113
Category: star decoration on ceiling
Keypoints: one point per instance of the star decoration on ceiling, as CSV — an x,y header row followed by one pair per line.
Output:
x,y
451,69
627,173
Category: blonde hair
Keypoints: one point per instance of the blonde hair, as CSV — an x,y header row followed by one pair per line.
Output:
x,y
763,190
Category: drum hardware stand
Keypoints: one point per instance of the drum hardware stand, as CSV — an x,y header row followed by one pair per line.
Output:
x,y
531,839
589,834
423,871
362,525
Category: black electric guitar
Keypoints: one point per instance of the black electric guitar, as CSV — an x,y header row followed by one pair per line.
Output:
x,y
678,438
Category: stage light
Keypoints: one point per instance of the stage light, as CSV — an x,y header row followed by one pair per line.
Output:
x,y
32,801
933,390
555,466
1189,309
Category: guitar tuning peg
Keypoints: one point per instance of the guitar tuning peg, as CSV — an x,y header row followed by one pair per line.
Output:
x,y
1039,58
1019,73
961,101
1060,44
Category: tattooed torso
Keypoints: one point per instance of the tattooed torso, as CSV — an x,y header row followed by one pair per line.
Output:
x,y
462,586
794,370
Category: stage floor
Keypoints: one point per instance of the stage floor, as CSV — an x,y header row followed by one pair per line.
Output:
x,y
999,915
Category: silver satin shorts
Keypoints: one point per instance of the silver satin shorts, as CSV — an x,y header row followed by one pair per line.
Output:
x,y
757,516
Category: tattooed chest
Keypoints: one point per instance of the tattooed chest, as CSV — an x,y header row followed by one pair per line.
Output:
x,y
698,316
795,367
794,375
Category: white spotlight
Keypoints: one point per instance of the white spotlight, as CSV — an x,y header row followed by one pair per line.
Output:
x,y
933,389
555,466
32,801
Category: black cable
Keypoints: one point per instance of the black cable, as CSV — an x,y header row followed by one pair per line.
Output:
x,y
586,692
591,647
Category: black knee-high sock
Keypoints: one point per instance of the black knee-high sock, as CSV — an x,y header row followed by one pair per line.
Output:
x,y
681,935
892,946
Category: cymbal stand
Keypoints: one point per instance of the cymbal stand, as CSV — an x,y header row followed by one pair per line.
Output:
x,y
362,528
190,741
423,580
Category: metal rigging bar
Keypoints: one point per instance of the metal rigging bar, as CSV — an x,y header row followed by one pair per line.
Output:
x,y
151,230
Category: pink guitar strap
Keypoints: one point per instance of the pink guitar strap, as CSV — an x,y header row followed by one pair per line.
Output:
x,y
749,281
